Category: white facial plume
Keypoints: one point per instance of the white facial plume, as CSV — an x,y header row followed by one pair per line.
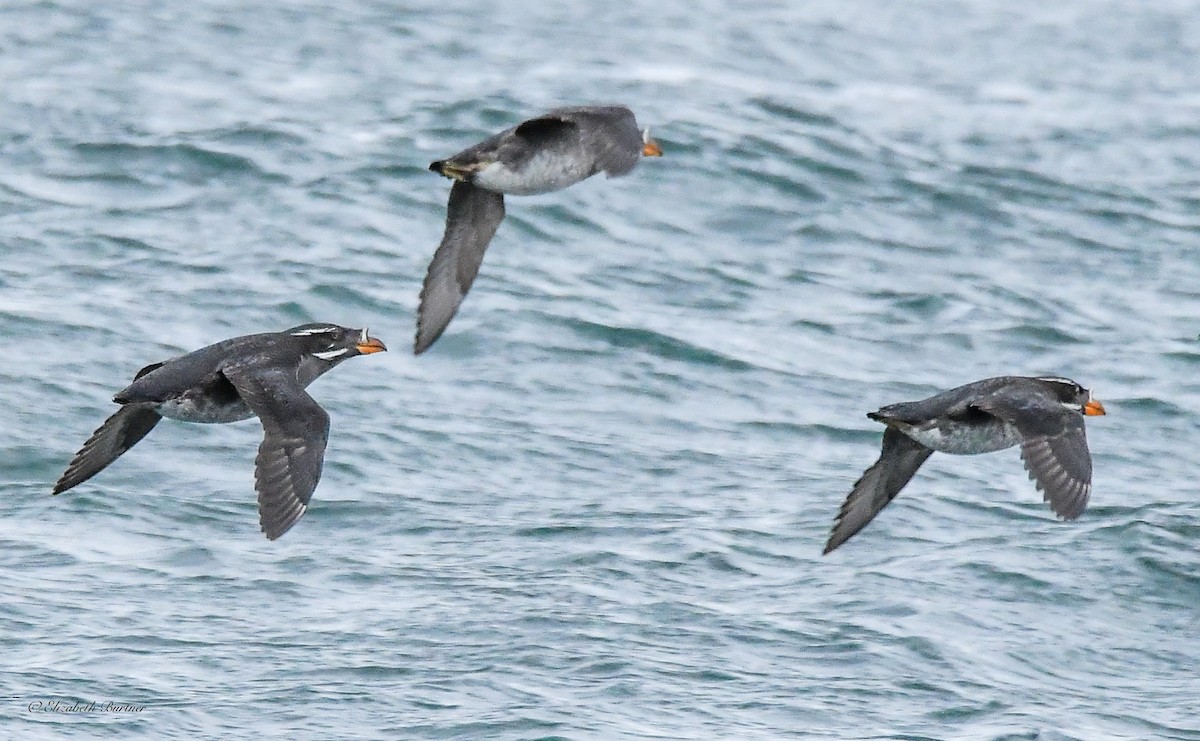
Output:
x,y
331,354
314,330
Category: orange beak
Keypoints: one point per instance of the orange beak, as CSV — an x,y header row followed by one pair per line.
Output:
x,y
651,149
370,345
1093,408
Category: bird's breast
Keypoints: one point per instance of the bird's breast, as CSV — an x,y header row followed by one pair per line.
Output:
x,y
963,438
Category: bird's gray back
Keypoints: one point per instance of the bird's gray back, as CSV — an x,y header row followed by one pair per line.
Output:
x,y
954,402
557,150
200,367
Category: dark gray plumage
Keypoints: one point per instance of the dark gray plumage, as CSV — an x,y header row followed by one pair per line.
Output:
x,y
261,375
472,218
543,154
1044,415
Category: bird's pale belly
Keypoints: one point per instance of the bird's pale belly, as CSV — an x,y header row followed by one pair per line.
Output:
x,y
542,174
964,438
206,411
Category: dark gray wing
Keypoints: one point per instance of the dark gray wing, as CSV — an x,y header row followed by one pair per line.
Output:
x,y
292,453
898,461
1053,447
472,217
546,130
119,433
1062,467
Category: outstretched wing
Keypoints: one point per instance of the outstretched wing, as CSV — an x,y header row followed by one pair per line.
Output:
x,y
472,217
119,433
292,453
898,461
1053,448
1062,467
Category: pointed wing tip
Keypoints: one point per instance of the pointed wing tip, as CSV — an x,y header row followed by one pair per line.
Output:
x,y
274,534
64,482
1066,495
418,346
838,534
280,505
275,529
836,537
1070,509
73,477
1066,514
421,338
430,322
425,337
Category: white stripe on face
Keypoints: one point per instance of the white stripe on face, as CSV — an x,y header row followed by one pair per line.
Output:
x,y
314,330
330,354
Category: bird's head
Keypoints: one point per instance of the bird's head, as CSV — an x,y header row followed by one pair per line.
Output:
x,y
333,344
1073,396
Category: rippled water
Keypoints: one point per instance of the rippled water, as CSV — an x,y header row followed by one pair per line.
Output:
x,y
595,509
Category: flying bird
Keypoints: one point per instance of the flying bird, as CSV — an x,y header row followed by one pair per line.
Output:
x,y
261,375
1044,415
544,154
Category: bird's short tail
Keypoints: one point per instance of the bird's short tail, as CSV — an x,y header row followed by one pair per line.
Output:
x,y
452,170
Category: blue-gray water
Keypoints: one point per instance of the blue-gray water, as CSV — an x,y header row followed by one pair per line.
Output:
x,y
595,509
